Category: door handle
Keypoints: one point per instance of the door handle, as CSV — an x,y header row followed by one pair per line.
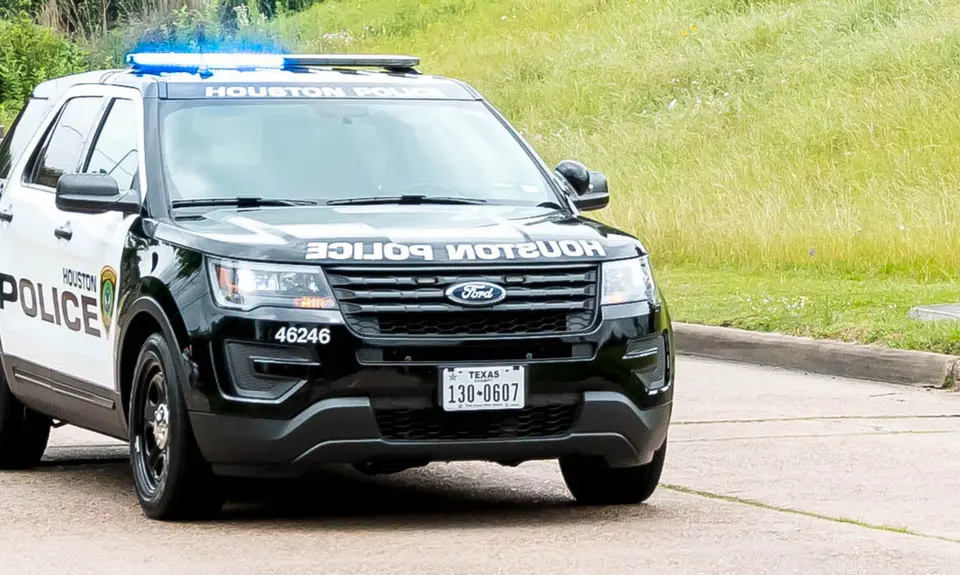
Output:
x,y
64,232
6,215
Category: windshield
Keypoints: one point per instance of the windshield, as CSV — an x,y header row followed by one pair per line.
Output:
x,y
337,149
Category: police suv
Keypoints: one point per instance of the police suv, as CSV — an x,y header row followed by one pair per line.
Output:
x,y
254,264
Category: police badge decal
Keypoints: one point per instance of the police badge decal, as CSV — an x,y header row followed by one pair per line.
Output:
x,y
108,288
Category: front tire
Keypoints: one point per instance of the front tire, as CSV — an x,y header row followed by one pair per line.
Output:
x,y
172,480
593,482
23,432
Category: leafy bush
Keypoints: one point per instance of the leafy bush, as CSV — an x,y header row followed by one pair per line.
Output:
x,y
30,54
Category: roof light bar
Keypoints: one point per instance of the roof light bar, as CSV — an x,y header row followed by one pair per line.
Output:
x,y
351,60
191,62
179,62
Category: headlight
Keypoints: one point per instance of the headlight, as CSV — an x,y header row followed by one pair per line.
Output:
x,y
626,281
248,285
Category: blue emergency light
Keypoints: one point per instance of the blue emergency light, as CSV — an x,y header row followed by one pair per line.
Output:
x,y
159,62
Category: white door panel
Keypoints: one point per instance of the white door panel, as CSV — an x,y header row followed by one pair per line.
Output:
x,y
93,252
80,269
28,323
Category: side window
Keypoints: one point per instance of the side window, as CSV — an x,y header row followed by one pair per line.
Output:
x,y
115,150
23,128
61,155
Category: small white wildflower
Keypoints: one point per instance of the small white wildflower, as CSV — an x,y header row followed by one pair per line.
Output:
x,y
672,104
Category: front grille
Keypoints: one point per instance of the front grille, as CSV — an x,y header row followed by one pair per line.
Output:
x,y
437,425
410,302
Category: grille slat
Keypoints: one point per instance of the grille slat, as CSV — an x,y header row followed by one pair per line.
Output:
x,y
387,295
453,308
410,302
586,291
437,425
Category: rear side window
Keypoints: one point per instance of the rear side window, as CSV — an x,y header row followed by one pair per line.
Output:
x,y
61,154
20,132
115,150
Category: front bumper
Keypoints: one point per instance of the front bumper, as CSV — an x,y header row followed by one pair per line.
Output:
x,y
345,431
358,400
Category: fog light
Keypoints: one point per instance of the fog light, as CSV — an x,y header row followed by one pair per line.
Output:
x,y
640,348
651,354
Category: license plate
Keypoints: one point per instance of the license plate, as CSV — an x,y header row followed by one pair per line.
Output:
x,y
482,388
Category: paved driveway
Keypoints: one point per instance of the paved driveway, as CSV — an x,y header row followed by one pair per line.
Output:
x,y
767,472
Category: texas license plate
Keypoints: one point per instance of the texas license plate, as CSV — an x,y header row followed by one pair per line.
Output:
x,y
482,388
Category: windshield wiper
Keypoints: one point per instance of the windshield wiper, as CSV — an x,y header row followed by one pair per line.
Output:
x,y
371,200
240,202
551,205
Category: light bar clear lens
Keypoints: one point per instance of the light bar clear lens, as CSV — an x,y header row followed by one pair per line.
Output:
x,y
627,281
174,60
247,285
353,60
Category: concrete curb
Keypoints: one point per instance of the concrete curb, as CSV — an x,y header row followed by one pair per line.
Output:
x,y
916,368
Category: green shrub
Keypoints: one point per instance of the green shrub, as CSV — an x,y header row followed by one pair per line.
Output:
x,y
30,54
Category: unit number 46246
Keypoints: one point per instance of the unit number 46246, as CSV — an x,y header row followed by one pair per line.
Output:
x,y
302,335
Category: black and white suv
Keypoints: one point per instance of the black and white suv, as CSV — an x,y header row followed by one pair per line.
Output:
x,y
253,264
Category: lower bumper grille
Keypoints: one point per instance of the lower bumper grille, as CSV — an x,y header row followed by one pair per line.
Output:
x,y
475,323
437,425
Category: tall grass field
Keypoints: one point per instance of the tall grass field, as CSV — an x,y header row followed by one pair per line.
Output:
x,y
807,133
792,165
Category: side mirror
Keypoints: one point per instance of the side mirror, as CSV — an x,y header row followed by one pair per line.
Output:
x,y
575,174
591,187
94,194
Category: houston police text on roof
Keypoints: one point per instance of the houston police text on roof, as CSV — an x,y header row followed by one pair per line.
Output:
x,y
399,252
322,92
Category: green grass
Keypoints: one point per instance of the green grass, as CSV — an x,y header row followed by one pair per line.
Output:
x,y
798,302
793,165
733,131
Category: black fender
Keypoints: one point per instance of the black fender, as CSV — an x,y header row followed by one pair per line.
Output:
x,y
171,327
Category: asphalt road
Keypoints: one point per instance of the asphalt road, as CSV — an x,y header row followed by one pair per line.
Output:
x,y
767,472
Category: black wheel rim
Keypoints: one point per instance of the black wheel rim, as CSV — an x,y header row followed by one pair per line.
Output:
x,y
151,451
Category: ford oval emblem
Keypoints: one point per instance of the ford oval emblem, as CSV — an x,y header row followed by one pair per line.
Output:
x,y
476,293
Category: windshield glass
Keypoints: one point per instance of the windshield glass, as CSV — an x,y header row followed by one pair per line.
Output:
x,y
335,149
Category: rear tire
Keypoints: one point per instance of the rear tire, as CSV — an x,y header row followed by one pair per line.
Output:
x,y
593,482
172,480
23,432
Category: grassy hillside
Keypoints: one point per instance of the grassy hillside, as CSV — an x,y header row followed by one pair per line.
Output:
x,y
764,150
793,165
822,133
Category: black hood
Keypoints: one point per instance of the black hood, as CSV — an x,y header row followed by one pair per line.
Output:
x,y
400,233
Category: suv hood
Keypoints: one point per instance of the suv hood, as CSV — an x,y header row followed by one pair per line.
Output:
x,y
400,233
